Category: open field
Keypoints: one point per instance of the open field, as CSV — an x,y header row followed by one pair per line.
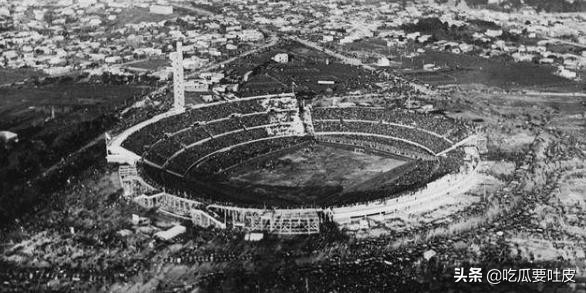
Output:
x,y
320,165
498,72
21,107
305,75
137,15
305,176
82,112
250,62
305,68
9,76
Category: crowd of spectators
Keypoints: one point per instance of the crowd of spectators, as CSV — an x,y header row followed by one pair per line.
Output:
x,y
184,160
167,146
438,124
221,161
153,104
141,140
391,184
383,144
434,143
194,150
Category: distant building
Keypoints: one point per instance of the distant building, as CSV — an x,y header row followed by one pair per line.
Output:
x,y
161,9
196,86
327,38
281,58
113,59
250,35
57,70
521,57
562,72
327,82
429,67
207,98
494,33
4,11
383,61
254,236
171,233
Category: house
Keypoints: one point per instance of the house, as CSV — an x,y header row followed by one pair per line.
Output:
x,y
493,33
429,67
207,98
171,233
383,61
562,72
196,86
250,35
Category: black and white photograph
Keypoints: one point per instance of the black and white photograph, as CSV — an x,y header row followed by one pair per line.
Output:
x,y
293,146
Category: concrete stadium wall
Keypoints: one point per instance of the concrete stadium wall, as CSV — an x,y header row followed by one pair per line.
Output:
x,y
386,208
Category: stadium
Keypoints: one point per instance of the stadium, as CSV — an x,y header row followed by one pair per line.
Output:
x,y
284,163
276,163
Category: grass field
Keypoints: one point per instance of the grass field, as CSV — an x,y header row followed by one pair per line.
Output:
x,y
466,69
305,68
8,76
137,15
19,105
310,176
320,165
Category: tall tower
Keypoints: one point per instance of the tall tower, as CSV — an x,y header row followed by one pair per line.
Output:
x,y
178,82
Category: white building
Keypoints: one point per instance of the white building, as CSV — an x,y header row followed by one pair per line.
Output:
x,y
196,86
383,61
7,136
562,72
326,82
171,233
327,38
254,236
251,35
494,33
281,58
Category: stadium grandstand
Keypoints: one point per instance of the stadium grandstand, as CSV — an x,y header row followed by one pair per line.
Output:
x,y
185,158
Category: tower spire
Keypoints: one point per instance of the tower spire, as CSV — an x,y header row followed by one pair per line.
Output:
x,y
178,79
